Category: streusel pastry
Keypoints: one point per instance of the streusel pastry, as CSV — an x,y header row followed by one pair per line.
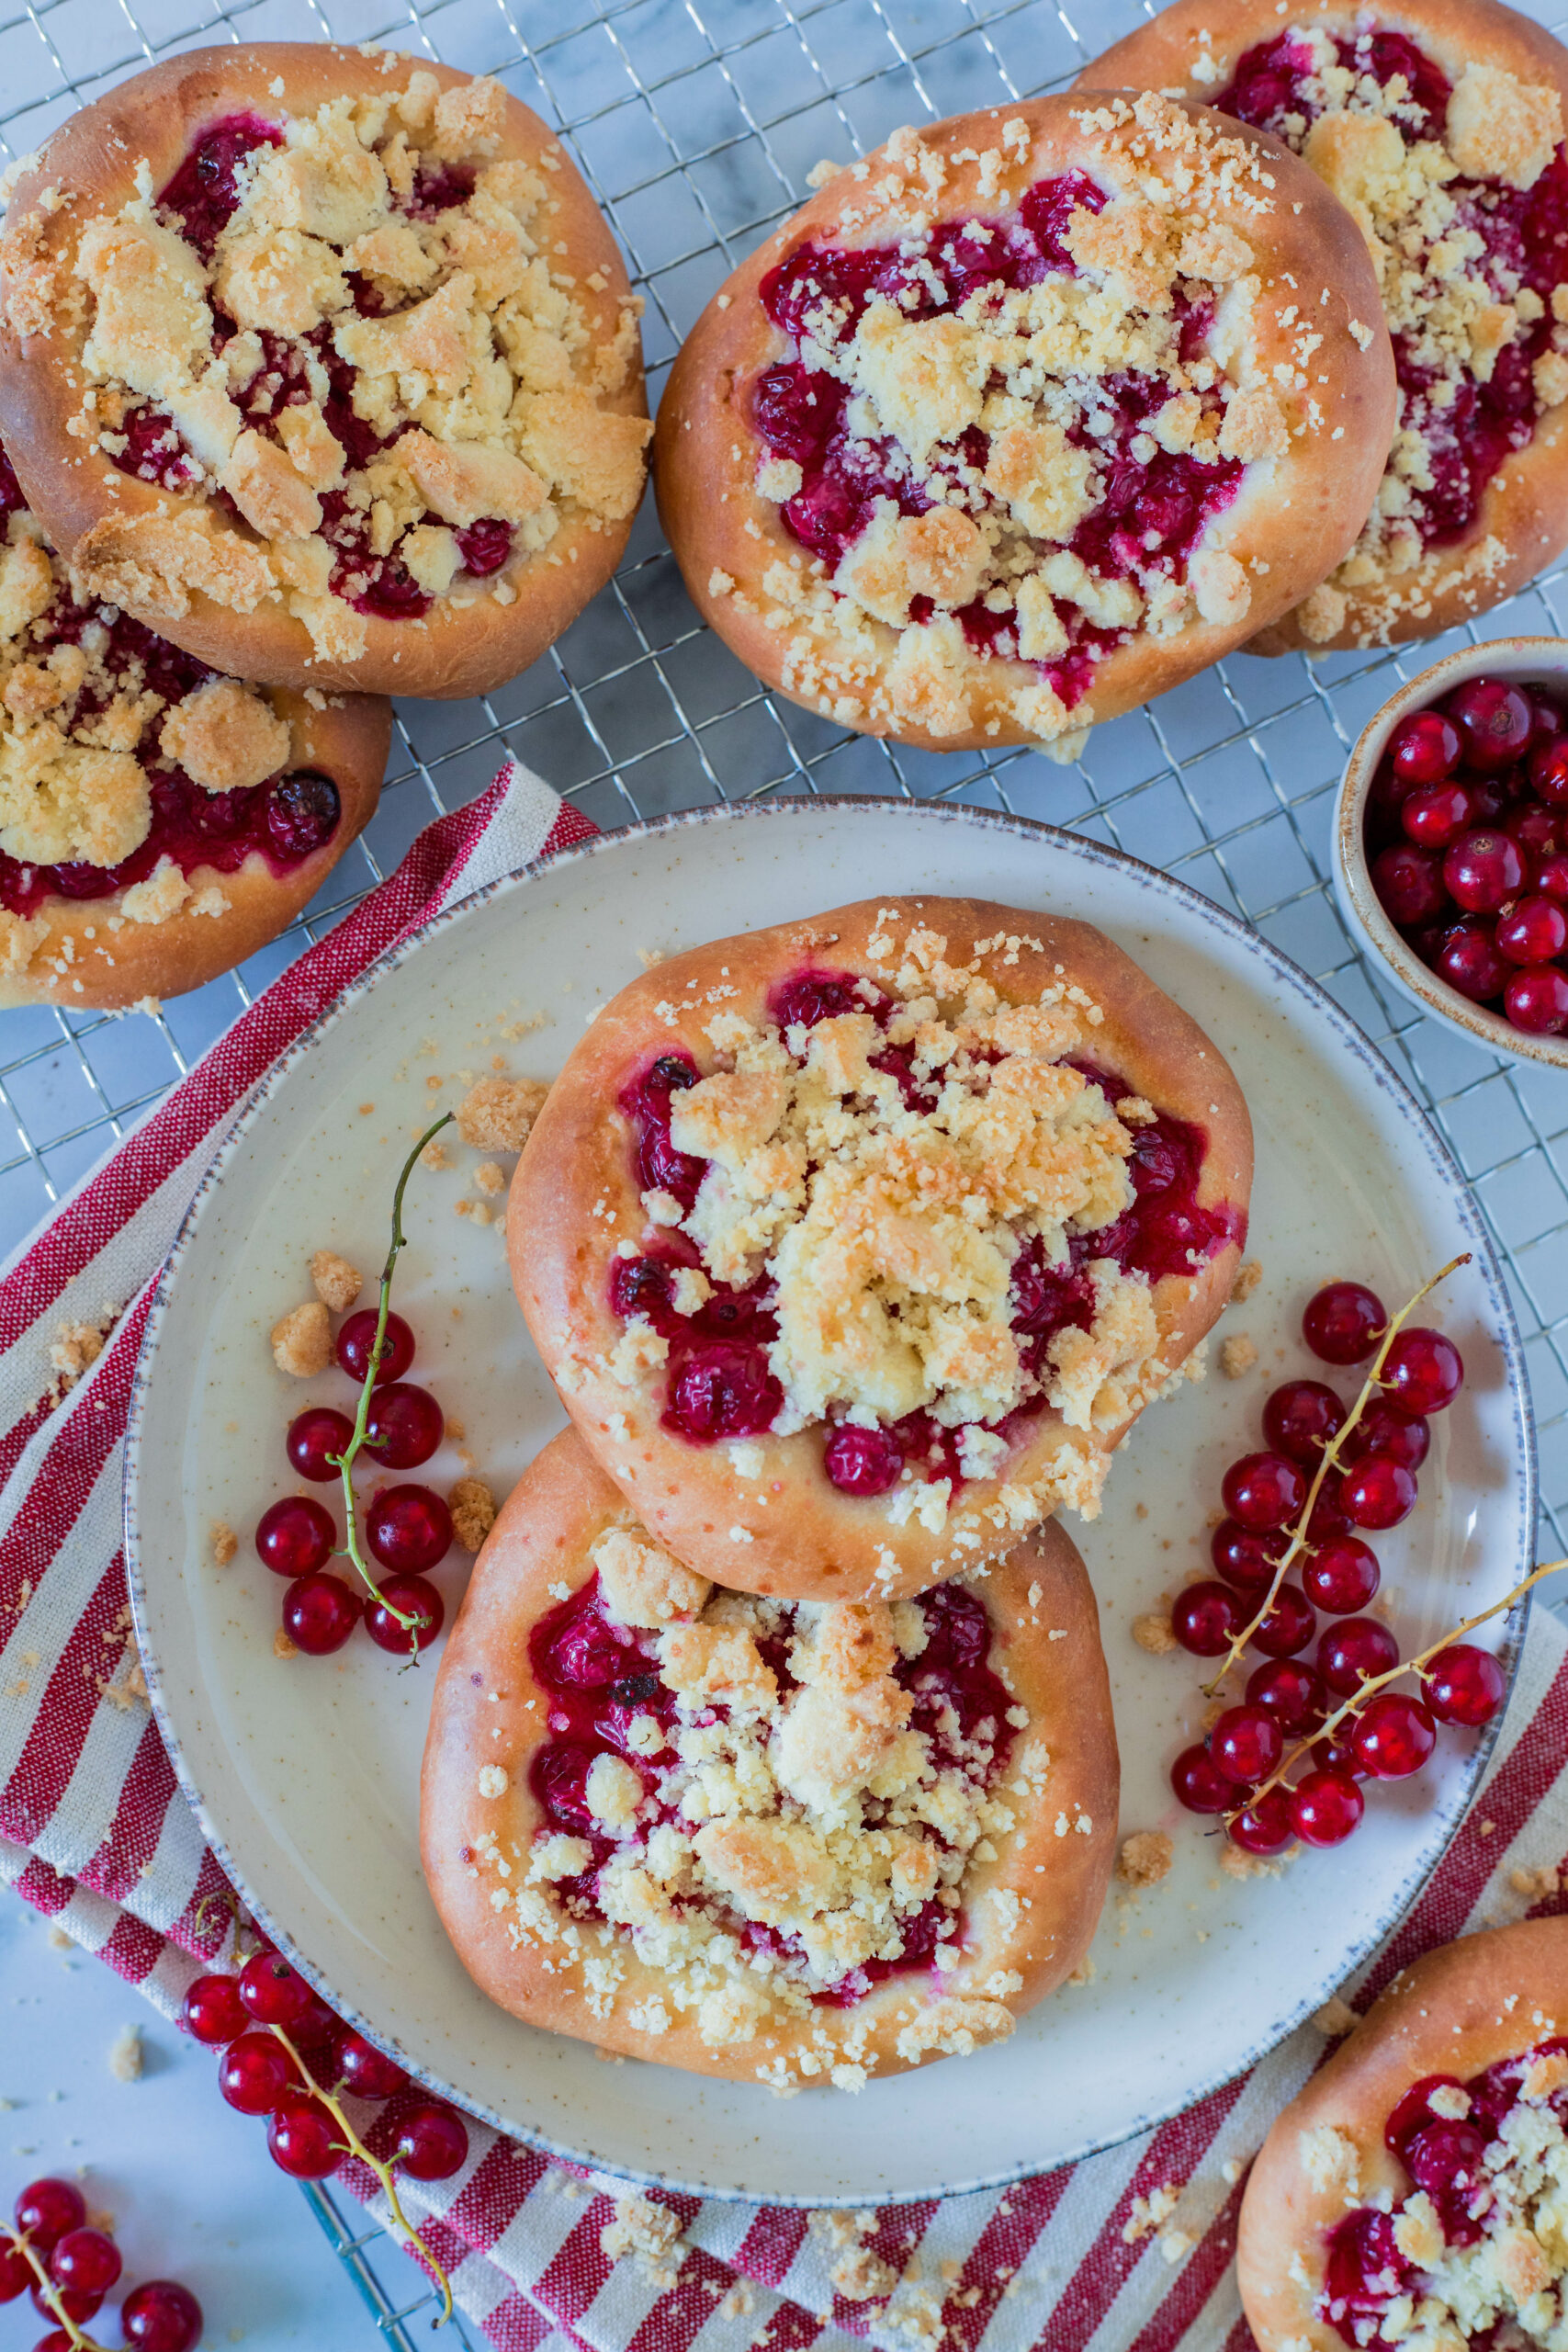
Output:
x,y
159,822
1414,2193
1441,127
791,1844
323,361
855,1246
1025,418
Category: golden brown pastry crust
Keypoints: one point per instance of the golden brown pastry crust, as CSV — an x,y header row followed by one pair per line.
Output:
x,y
75,488
1444,2015
1521,522
1289,523
556,1512
798,1535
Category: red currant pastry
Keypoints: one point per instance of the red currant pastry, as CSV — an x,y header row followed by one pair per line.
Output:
x,y
1440,127
1026,418
1416,2192
159,822
855,1246
324,361
788,1843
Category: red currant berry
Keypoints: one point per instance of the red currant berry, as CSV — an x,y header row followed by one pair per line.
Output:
x,y
1464,1685
409,1529
1409,882
1199,1784
1265,1826
1422,1370
1536,1001
273,1993
16,2272
1548,772
256,2074
1353,1651
411,1597
296,1535
1291,1692
1468,960
320,1613
1336,1756
75,2302
405,1425
1425,747
1326,1807
1483,870
431,2144
1289,1626
46,2209
363,2069
1247,1742
1264,1491
1547,717
1494,720
56,2340
1205,1617
212,2011
302,2141
1342,1577
357,1337
1243,1558
1552,878
1329,1518
314,1437
1437,815
1539,833
1393,1736
1377,1493
160,2316
1344,1322
87,2261
1299,1419
1534,930
1384,1428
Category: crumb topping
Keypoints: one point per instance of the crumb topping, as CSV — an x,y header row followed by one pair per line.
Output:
x,y
1462,194
775,1807
346,345
1010,438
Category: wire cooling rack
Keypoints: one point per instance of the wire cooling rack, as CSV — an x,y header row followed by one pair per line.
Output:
x,y
696,122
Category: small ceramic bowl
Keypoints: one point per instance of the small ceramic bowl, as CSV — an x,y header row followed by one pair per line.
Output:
x,y
1532,661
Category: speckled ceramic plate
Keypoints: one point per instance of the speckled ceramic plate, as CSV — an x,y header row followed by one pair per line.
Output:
x,y
305,1772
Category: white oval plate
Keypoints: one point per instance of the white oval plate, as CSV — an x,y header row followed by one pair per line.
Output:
x,y
305,1773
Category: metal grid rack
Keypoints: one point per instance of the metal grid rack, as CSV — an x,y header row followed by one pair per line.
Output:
x,y
696,122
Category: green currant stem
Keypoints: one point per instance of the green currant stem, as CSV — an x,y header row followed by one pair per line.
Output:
x,y
1327,1460
345,1461
1348,1708
354,2147
79,2340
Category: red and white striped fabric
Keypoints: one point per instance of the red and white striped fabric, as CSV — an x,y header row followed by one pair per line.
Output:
x,y
93,1831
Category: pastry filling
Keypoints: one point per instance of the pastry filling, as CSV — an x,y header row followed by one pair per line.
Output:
x,y
777,1806
908,1216
350,335
1007,436
1461,193
1476,2253
124,762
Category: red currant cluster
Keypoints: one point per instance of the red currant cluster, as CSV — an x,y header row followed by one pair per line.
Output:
x,y
1467,824
1328,1477
286,2056
407,1528
69,2268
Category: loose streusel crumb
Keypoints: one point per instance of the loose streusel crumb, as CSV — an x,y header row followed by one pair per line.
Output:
x,y
434,1154
490,1177
1153,1633
1237,1355
302,1341
1335,2017
126,2054
647,2232
282,1646
1145,1858
338,1283
860,2276
1538,1884
72,1349
499,1112
1247,1277
225,1543
1151,2212
472,1506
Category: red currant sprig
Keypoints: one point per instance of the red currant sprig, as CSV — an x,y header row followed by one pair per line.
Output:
x,y
69,2268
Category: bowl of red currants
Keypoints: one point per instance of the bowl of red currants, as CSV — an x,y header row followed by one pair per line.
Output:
x,y
1450,843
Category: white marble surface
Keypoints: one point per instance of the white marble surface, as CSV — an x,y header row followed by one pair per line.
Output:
x,y
194,2193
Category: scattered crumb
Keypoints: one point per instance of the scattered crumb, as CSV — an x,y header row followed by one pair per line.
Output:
x,y
488,1177
74,1347
1085,1972
1247,1278
1236,1863
302,1341
497,1113
225,1543
282,1646
648,2232
1150,2212
61,1938
1231,2171
1486,1829
338,1283
610,2057
1237,1355
1153,1634
1536,1884
126,2054
434,1154
862,2276
1335,2017
648,957
473,1512
365,1109
1176,2244
1145,1858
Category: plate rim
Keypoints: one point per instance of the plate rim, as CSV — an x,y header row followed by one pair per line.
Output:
x,y
1073,846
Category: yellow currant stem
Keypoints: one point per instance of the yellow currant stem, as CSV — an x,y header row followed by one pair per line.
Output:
x,y
345,1461
1328,1460
354,2147
1351,1707
79,2340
